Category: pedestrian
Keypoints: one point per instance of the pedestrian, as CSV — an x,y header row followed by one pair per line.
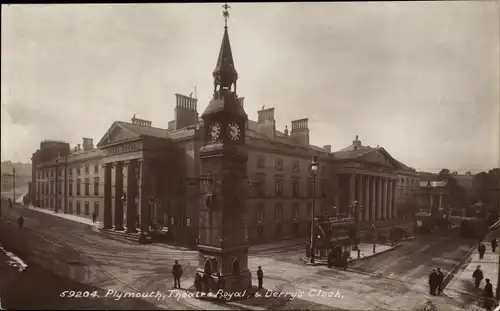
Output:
x,y
177,273
260,276
433,282
206,283
345,258
94,216
488,295
10,202
494,244
20,221
221,286
482,250
478,276
197,282
330,258
439,280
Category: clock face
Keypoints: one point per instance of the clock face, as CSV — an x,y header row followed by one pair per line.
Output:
x,y
214,131
234,131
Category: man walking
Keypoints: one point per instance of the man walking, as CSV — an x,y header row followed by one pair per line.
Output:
x,y
478,276
345,258
177,273
439,280
488,295
433,282
481,249
260,276
94,216
494,244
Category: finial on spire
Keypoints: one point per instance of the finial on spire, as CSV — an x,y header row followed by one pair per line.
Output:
x,y
225,13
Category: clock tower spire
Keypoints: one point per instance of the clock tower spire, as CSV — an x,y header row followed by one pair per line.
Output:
x,y
222,240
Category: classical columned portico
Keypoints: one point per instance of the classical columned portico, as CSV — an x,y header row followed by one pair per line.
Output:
x,y
352,194
379,197
359,196
394,214
373,197
144,169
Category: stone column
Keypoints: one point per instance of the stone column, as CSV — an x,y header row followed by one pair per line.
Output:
x,y
131,196
379,198
144,196
359,197
352,189
118,196
373,196
394,214
385,203
108,214
389,198
366,201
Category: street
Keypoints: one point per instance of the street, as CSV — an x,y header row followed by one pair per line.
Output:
x,y
76,257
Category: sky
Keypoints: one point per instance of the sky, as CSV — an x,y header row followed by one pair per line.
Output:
x,y
420,79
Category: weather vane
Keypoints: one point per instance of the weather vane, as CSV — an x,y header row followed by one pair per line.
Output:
x,y
225,13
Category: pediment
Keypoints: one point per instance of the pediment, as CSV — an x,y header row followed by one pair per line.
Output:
x,y
380,157
116,133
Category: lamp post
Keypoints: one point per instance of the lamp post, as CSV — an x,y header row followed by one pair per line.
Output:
x,y
313,168
429,188
374,233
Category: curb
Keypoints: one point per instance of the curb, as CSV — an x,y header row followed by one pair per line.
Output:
x,y
460,266
322,262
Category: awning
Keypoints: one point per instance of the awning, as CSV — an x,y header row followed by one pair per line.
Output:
x,y
495,226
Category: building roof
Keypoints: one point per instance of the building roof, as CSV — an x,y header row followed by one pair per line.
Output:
x,y
351,153
144,130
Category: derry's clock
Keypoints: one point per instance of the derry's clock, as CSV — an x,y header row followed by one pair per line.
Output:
x,y
214,131
234,131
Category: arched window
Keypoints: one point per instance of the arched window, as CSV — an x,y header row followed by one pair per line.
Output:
x,y
208,267
236,267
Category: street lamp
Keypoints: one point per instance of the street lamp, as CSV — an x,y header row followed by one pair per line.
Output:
x,y
429,188
313,169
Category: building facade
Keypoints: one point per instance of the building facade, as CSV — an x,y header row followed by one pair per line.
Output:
x,y
141,178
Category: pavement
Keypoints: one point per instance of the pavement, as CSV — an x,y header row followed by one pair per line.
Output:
x,y
71,252
462,285
366,251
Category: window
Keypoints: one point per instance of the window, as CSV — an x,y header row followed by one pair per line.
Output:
x,y
261,163
278,187
279,230
295,211
278,164
296,166
78,187
78,207
86,208
295,187
87,186
260,232
96,169
86,169
96,186
309,187
96,208
260,213
278,212
70,188
188,222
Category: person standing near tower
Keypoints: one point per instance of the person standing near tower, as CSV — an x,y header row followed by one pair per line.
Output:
x,y
260,276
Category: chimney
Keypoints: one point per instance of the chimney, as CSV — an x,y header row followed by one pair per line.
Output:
x,y
357,143
186,111
328,148
88,144
300,131
266,122
286,131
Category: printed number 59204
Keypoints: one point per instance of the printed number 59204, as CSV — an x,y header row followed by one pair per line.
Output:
x,y
75,294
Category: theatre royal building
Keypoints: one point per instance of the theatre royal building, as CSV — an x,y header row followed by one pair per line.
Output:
x,y
140,177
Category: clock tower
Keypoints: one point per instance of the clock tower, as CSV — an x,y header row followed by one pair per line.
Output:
x,y
222,241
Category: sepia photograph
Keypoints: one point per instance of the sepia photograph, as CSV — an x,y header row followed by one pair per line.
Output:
x,y
250,156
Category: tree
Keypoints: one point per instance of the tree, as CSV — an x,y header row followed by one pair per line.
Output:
x,y
457,193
